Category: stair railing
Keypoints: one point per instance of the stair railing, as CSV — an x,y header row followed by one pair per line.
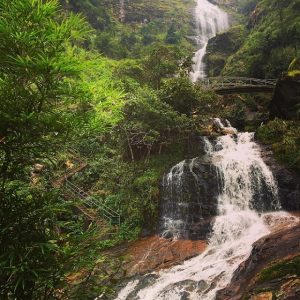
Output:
x,y
109,214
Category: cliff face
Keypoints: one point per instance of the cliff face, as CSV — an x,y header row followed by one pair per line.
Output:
x,y
288,181
221,47
271,40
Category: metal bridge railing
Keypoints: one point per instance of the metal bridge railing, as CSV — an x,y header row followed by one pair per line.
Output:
x,y
223,82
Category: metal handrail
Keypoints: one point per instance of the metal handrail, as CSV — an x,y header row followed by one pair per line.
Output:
x,y
107,212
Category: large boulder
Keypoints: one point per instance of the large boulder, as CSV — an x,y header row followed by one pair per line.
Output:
x,y
189,198
286,99
287,180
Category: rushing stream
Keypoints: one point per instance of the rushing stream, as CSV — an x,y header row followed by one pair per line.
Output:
x,y
241,173
210,20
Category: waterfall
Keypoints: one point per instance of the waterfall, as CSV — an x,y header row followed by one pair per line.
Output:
x,y
210,20
174,224
242,177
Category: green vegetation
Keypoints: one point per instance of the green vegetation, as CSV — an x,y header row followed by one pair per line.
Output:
x,y
144,23
130,119
294,68
284,138
280,269
272,42
263,43
113,93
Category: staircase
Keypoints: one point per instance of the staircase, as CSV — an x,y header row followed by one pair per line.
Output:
x,y
104,212
112,217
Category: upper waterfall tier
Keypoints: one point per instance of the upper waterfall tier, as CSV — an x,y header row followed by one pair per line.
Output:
x,y
210,20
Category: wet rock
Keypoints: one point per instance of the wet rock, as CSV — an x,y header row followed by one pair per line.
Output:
x,y
183,288
290,290
288,181
156,253
189,193
189,197
229,130
286,99
138,282
278,246
220,128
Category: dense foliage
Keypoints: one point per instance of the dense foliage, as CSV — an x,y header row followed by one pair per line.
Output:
x,y
126,34
129,119
104,100
272,41
284,138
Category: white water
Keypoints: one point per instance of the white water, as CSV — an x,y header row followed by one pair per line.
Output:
x,y
240,171
210,20
173,180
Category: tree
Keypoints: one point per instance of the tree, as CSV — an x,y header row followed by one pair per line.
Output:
x,y
37,82
34,70
190,99
172,36
29,255
150,123
161,62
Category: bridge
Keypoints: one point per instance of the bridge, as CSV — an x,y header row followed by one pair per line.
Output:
x,y
238,85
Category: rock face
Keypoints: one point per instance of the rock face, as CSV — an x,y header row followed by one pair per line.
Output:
x,y
155,253
281,246
288,181
189,199
220,47
286,99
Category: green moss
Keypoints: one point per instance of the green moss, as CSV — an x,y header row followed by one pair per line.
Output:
x,y
294,73
280,269
221,47
294,68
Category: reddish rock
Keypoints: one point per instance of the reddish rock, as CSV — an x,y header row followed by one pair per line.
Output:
x,y
263,296
155,253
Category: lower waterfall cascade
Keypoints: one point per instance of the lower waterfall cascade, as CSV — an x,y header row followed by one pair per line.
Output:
x,y
241,175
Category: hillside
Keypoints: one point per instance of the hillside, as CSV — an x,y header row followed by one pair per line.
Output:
x,y
126,30
104,139
263,45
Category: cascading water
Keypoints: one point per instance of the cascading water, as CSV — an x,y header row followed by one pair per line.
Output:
x,y
210,20
242,175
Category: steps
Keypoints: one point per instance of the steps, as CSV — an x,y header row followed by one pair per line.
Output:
x,y
104,213
112,217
